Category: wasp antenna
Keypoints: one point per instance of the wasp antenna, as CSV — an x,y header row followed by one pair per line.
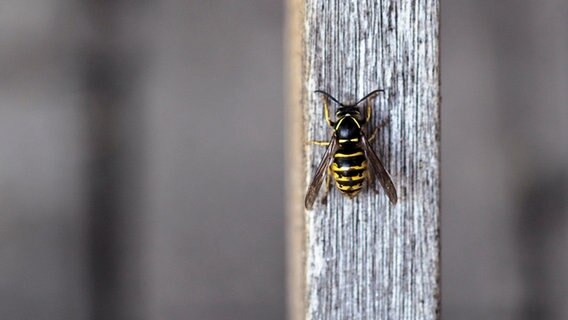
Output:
x,y
372,93
330,96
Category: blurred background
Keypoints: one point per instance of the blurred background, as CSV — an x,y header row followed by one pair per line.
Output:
x,y
141,159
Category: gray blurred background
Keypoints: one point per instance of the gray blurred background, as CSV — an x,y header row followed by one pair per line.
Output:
x,y
141,159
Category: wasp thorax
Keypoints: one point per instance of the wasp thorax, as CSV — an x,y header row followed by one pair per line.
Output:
x,y
347,128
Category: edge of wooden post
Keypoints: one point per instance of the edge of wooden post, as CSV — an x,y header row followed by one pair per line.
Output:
x,y
295,171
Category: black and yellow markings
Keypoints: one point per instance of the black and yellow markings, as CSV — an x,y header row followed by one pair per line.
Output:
x,y
340,122
337,168
340,178
326,143
349,155
319,143
354,187
353,174
349,169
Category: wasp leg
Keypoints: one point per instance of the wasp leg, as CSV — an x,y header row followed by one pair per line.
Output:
x,y
374,135
369,111
326,110
327,186
382,125
318,142
369,106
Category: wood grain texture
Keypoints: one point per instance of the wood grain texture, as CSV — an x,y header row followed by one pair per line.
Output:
x,y
366,259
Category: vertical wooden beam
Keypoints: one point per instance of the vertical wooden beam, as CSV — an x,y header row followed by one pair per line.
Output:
x,y
364,258
104,102
112,69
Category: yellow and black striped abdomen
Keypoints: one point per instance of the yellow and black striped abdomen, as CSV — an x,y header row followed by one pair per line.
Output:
x,y
349,170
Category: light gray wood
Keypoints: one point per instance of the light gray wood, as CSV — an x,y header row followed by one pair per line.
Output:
x,y
364,258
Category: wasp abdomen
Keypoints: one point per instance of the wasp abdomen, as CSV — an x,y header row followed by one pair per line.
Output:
x,y
349,170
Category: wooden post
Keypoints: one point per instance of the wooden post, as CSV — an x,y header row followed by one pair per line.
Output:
x,y
113,67
365,258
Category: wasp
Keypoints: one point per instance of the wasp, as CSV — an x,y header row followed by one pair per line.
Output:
x,y
349,157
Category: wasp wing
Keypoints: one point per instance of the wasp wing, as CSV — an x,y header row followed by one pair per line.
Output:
x,y
379,170
326,161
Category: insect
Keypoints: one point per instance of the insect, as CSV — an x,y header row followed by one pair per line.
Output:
x,y
349,158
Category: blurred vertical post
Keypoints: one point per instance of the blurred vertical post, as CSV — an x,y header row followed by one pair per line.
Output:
x,y
294,164
365,258
112,91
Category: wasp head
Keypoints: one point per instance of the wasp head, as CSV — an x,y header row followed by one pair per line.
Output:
x,y
347,111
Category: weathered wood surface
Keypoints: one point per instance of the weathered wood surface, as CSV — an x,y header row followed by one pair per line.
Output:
x,y
364,258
